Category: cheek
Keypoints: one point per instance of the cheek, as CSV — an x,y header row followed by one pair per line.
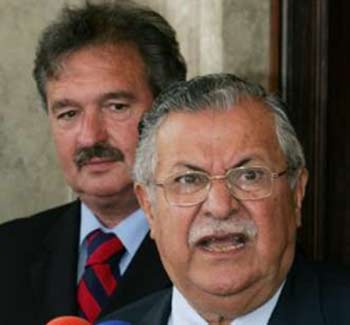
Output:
x,y
125,138
276,224
170,230
65,147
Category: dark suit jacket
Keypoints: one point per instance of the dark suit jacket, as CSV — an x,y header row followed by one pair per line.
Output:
x,y
38,269
312,295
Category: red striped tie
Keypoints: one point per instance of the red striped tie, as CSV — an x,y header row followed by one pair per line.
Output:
x,y
101,274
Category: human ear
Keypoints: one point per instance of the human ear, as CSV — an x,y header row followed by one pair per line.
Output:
x,y
299,192
143,196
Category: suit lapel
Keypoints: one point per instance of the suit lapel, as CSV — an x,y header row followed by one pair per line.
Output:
x,y
160,312
144,276
299,301
53,273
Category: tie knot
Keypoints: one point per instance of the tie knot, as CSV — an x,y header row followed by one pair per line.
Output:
x,y
103,247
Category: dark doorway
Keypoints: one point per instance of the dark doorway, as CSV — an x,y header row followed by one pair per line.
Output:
x,y
315,81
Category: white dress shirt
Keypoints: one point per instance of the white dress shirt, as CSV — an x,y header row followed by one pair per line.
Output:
x,y
182,313
131,232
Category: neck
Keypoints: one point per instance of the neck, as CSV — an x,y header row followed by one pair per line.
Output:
x,y
223,309
220,321
111,210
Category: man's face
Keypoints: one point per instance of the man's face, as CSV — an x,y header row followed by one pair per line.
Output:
x,y
98,98
217,264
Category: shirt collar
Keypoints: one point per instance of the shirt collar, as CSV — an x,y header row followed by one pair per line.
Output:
x,y
131,231
183,313
262,314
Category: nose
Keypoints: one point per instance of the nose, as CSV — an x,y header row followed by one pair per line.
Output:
x,y
92,129
220,203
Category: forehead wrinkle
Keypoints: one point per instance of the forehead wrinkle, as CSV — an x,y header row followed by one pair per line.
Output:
x,y
105,57
219,140
211,148
170,134
253,125
263,128
203,140
101,66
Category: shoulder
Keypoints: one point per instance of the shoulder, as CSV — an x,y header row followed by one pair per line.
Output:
x,y
323,287
31,229
331,279
334,286
150,306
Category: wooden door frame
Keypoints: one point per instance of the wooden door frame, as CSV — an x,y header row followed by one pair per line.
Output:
x,y
303,74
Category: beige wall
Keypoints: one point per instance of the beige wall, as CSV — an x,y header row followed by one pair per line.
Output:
x,y
215,35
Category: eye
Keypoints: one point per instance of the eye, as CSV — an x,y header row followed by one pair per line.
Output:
x,y
67,115
191,179
117,110
252,175
188,183
118,107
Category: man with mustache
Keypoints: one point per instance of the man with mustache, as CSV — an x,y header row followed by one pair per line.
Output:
x,y
98,68
221,176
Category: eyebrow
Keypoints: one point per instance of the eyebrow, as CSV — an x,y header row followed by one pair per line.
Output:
x,y
192,167
242,162
199,169
182,164
117,95
63,103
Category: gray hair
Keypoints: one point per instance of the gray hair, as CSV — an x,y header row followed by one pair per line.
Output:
x,y
218,92
111,22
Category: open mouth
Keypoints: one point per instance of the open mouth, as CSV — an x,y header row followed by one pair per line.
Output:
x,y
223,243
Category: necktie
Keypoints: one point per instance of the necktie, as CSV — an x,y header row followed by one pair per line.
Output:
x,y
101,274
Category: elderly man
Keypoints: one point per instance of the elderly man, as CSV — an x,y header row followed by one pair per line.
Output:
x,y
98,68
221,177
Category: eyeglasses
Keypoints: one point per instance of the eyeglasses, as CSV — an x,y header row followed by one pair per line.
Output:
x,y
244,183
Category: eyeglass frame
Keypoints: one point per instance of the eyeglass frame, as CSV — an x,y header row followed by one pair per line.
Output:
x,y
274,175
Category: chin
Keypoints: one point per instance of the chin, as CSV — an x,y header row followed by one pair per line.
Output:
x,y
95,190
106,185
221,288
224,282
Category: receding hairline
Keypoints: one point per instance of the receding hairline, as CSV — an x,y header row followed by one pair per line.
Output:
x,y
246,102
107,47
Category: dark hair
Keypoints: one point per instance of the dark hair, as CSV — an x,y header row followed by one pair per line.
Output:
x,y
111,22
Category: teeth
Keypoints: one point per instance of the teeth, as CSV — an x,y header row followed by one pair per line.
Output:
x,y
223,244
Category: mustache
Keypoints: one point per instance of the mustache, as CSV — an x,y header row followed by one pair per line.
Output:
x,y
210,227
98,150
